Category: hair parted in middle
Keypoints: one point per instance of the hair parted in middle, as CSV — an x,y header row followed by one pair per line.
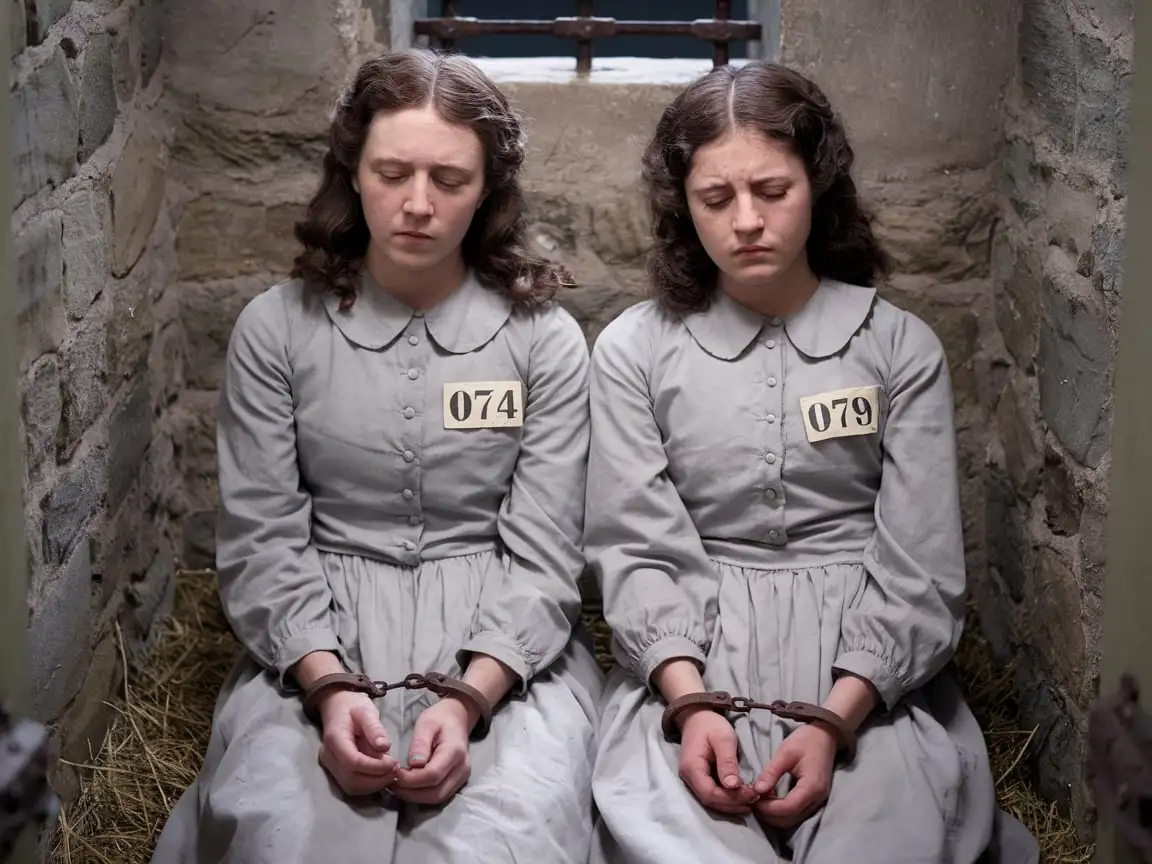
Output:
x,y
780,104
334,232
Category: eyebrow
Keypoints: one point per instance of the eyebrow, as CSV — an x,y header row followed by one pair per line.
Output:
x,y
386,162
715,185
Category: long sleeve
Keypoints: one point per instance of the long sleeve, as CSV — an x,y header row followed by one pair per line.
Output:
x,y
907,626
639,538
274,592
525,620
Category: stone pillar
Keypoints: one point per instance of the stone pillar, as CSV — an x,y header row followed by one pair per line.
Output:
x,y
1056,264
98,345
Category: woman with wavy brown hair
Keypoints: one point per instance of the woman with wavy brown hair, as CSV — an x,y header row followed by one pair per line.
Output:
x,y
773,516
403,434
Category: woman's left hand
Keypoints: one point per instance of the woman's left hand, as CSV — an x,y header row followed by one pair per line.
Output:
x,y
438,764
809,755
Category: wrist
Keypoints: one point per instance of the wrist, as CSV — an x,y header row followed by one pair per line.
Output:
x,y
468,713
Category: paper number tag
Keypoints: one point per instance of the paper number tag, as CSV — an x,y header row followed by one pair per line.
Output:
x,y
841,413
483,404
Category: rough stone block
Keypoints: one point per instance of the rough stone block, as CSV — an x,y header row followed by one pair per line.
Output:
x,y
137,195
148,600
1056,619
221,238
65,510
1094,537
59,635
1097,134
1048,66
45,13
1061,732
89,716
45,127
129,433
1074,360
209,311
1062,501
1021,178
1071,216
38,250
86,265
84,363
130,324
127,545
41,407
277,58
97,95
1009,546
39,253
1017,281
1018,423
1108,251
17,28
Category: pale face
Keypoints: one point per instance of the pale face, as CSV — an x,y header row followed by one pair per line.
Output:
x,y
751,203
420,181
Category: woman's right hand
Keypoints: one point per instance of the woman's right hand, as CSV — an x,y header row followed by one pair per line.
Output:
x,y
708,763
355,748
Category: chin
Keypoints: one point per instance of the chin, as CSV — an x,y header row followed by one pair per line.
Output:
x,y
754,274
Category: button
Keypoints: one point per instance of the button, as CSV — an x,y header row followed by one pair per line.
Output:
x,y
771,418
775,322
771,381
409,455
413,374
413,340
409,545
771,493
408,494
774,534
409,413
770,458
771,343
419,313
413,520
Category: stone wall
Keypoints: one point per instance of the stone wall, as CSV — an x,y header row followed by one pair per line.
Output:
x,y
245,159
100,346
1056,267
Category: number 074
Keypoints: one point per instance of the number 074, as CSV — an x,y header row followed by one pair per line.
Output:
x,y
483,404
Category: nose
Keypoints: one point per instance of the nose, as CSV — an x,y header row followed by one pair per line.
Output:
x,y
746,219
419,204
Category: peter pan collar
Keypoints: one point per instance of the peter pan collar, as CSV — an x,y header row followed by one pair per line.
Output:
x,y
465,320
822,327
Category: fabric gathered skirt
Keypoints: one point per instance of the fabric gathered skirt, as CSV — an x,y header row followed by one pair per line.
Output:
x,y
262,796
920,790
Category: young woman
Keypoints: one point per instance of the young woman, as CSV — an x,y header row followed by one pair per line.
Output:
x,y
773,515
402,448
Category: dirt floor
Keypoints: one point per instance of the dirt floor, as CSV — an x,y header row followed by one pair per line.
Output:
x,y
163,714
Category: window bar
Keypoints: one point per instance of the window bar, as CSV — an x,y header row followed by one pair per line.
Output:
x,y
720,49
584,46
448,10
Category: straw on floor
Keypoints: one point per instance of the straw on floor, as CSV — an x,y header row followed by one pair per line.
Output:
x,y
155,744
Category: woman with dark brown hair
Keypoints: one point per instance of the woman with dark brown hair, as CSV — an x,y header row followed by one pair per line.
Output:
x,y
773,516
402,440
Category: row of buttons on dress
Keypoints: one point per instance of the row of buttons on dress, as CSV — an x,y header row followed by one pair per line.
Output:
x,y
770,493
409,413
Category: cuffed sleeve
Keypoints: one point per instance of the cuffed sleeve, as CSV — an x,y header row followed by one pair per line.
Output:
x,y
639,538
907,625
272,587
526,618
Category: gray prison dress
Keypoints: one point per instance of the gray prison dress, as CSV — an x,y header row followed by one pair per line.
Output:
x,y
721,533
353,521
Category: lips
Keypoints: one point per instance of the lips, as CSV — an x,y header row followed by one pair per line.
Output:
x,y
414,235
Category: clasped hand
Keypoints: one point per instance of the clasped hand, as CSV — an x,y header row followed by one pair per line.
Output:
x,y
356,750
710,768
